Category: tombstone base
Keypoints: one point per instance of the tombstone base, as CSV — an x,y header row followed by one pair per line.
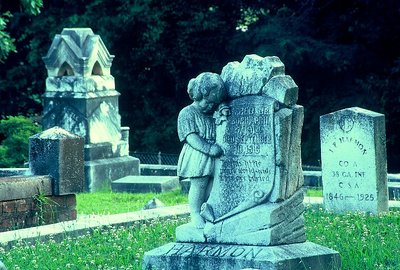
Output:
x,y
266,224
307,255
101,172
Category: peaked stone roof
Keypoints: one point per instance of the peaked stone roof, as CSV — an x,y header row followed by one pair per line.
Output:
x,y
77,52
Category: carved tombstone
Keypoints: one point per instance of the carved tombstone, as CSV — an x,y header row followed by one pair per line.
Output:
x,y
255,206
353,155
80,97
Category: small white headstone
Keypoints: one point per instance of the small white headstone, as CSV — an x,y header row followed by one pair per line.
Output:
x,y
353,154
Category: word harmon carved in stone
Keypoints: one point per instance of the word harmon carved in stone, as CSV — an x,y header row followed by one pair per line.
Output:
x,y
244,252
351,141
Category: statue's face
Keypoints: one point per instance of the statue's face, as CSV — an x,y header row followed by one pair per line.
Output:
x,y
208,104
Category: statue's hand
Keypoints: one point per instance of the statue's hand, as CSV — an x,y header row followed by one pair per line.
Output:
x,y
216,151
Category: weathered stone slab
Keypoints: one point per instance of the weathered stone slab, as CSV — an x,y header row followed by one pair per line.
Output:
x,y
265,224
92,117
250,76
353,153
141,184
156,169
58,153
244,176
283,89
99,173
304,256
20,187
5,172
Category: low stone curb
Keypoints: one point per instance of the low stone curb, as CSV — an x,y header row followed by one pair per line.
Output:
x,y
87,223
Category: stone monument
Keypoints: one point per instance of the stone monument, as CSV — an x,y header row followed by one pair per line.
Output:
x,y
353,154
251,214
80,97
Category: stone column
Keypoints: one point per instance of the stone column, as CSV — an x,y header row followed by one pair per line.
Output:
x,y
81,98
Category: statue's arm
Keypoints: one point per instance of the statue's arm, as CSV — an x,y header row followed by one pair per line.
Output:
x,y
198,143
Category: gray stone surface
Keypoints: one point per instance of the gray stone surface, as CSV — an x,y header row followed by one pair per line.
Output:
x,y
78,52
81,98
250,76
5,172
265,224
153,203
353,155
58,153
137,184
303,256
160,170
100,173
21,187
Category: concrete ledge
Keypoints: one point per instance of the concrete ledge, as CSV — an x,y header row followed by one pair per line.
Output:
x,y
137,184
84,224
21,187
394,190
155,169
6,172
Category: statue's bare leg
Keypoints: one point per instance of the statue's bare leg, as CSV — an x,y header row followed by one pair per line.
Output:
x,y
197,196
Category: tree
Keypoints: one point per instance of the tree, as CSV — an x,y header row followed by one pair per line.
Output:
x,y
341,54
7,43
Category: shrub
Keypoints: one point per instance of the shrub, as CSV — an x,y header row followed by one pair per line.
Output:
x,y
14,140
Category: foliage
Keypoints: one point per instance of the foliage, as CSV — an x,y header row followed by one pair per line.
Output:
x,y
102,248
340,55
7,45
14,140
364,241
100,203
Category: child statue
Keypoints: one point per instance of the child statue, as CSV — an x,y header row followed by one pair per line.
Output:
x,y
197,130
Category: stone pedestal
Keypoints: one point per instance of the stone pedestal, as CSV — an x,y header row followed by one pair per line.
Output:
x,y
253,214
58,153
189,256
81,98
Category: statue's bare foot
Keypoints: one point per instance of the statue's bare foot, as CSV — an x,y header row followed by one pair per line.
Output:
x,y
198,221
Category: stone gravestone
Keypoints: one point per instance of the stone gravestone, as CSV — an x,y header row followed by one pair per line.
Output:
x,y
353,154
80,97
58,153
254,213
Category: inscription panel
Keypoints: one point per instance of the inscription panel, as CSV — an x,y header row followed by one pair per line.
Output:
x,y
244,175
350,169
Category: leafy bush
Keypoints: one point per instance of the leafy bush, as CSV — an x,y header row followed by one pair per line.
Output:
x,y
14,140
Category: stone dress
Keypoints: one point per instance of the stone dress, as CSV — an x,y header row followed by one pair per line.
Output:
x,y
193,163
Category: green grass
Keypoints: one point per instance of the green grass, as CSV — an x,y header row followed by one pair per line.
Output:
x,y
364,241
106,202
314,192
105,248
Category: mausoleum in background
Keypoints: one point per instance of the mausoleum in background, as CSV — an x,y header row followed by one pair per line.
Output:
x,y
81,98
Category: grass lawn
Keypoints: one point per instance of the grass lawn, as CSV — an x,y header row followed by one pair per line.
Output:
x,y
107,202
314,192
364,241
